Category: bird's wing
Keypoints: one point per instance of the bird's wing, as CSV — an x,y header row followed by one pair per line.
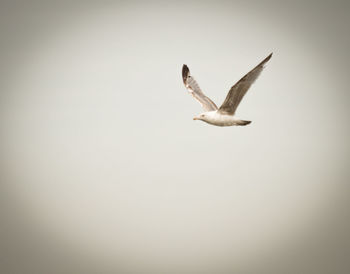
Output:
x,y
194,89
237,92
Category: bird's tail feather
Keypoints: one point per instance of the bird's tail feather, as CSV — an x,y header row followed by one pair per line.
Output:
x,y
243,122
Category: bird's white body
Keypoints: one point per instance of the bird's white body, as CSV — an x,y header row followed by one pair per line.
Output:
x,y
217,119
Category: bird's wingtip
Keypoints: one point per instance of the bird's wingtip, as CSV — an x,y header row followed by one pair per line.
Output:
x,y
269,56
185,72
263,62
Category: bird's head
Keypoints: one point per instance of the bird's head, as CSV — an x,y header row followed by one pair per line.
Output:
x,y
200,117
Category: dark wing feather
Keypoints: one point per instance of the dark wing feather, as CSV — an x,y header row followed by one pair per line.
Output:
x,y
195,90
236,93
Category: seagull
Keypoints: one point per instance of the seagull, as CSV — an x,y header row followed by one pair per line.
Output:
x,y
225,115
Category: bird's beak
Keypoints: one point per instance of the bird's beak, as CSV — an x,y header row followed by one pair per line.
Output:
x,y
195,118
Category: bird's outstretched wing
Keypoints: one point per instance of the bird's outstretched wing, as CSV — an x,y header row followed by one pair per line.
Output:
x,y
194,89
237,92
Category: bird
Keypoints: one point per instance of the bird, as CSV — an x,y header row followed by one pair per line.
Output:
x,y
225,115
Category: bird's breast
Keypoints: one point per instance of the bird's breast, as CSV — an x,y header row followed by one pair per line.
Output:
x,y
221,120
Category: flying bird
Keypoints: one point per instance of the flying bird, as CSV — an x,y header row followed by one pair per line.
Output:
x,y
225,115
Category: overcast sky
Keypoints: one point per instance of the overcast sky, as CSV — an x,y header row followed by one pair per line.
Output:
x,y
104,170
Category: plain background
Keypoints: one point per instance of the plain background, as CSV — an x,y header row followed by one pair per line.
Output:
x,y
103,169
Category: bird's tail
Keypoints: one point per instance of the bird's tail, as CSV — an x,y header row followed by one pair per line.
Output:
x,y
243,122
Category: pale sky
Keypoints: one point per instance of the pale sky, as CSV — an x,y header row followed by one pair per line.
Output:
x,y
102,160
